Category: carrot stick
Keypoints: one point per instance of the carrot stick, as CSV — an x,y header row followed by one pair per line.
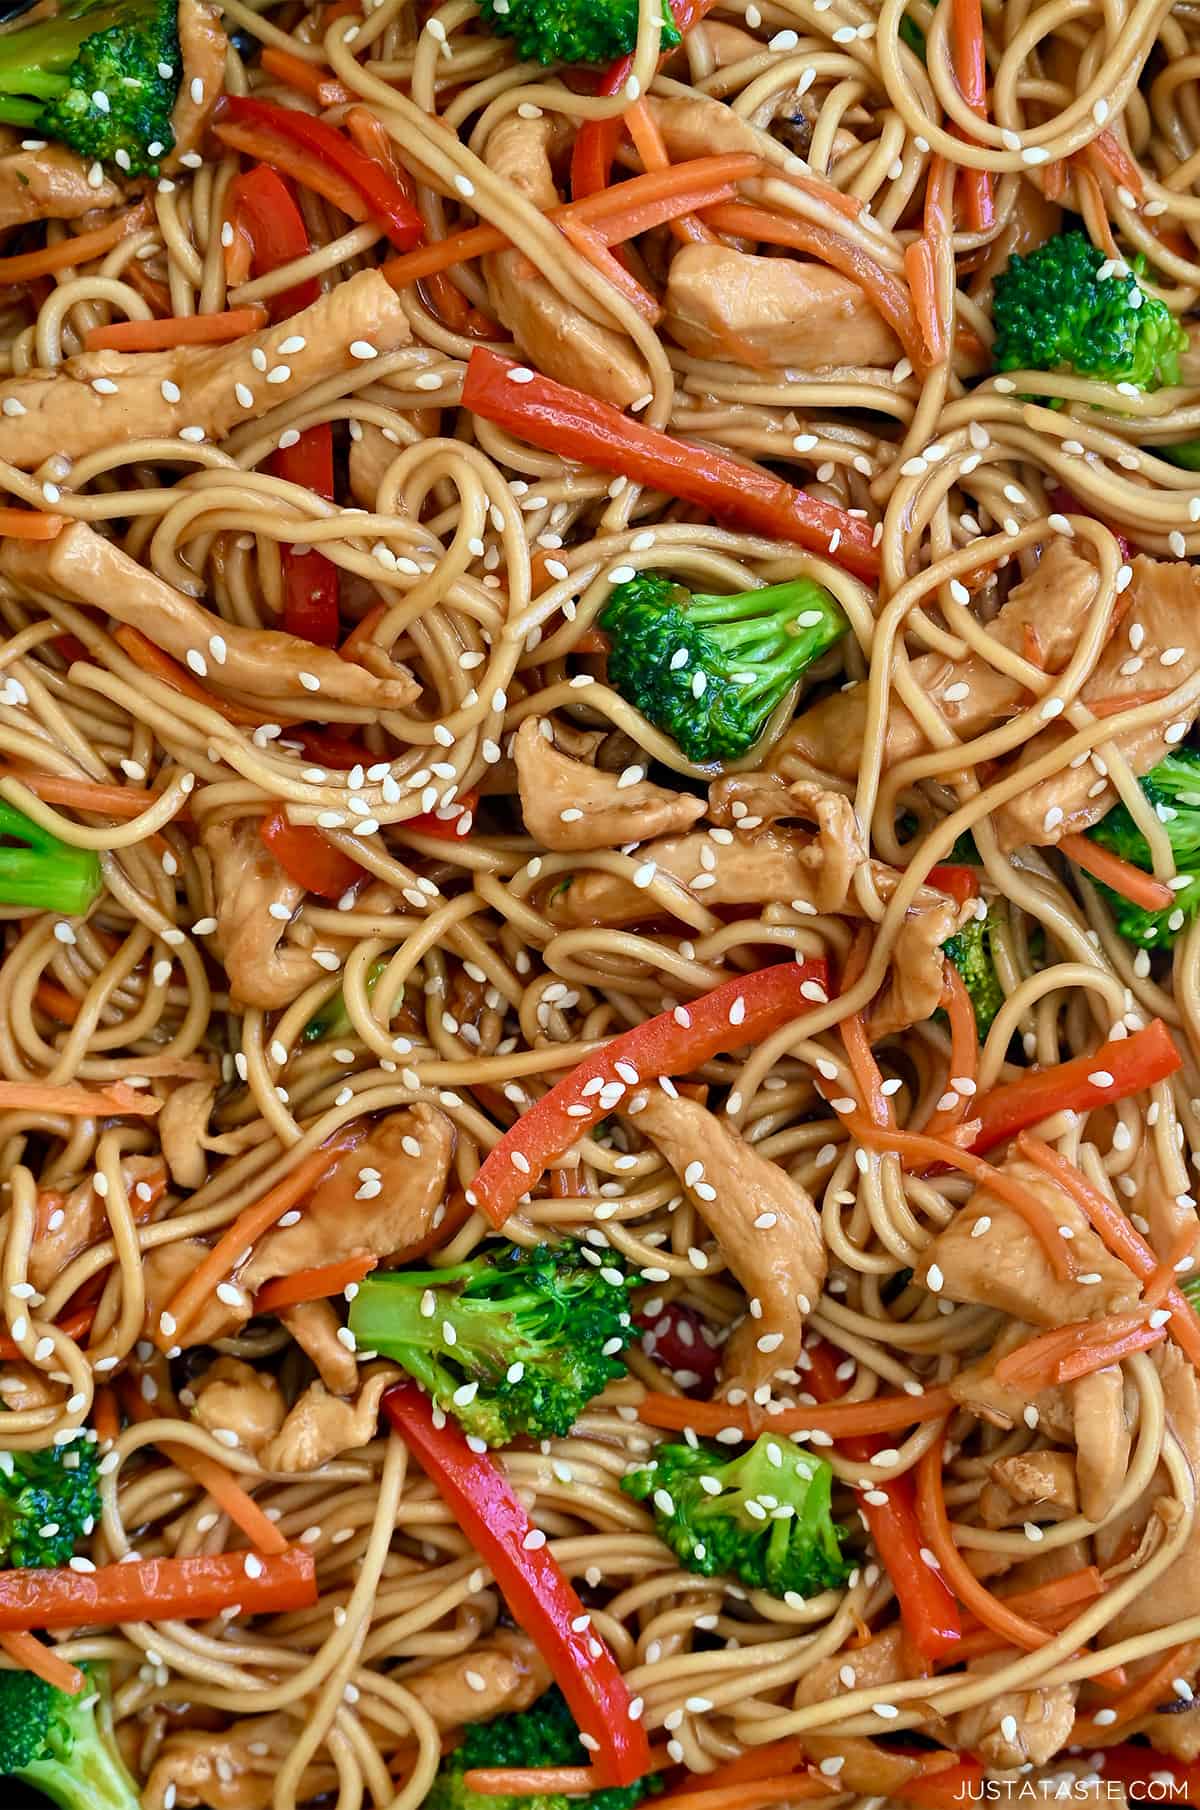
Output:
x,y
589,244
964,1050
841,1420
106,1419
30,524
1153,1688
1068,1352
56,1002
1117,1234
84,794
1114,871
316,1284
76,1326
767,1762
920,269
969,58
312,79
1167,1274
176,330
649,144
1090,1358
27,1651
213,1478
245,1231
84,248
858,1044
1107,150
151,658
545,1781
74,1102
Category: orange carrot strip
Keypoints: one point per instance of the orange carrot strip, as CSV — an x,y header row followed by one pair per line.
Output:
x,y
969,58
964,1049
841,1420
316,1284
84,248
858,1044
538,1781
1117,1234
151,658
76,1326
1054,179
176,330
1113,870
245,1231
116,1100
56,1002
1036,1364
27,1651
84,794
1167,1274
1107,150
1094,209
649,144
921,271
767,1762
30,524
214,1480
1102,1355
105,1418
588,243
1113,707
1153,1688
312,79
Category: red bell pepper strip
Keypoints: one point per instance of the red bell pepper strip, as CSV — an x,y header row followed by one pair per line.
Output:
x,y
1129,1065
927,1609
597,140
961,882
191,1589
576,426
327,748
383,196
310,581
1126,1764
260,204
678,1334
308,857
947,1789
528,1575
674,1043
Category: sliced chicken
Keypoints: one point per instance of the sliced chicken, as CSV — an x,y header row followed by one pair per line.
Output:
x,y
348,1215
1163,619
322,1426
24,1388
1016,1728
1176,1729
913,990
878,1662
60,410
260,665
568,805
164,1272
69,1224
1006,1266
315,1326
50,184
203,44
252,891
370,455
1041,620
724,303
230,1769
183,1131
1003,1405
766,1225
1029,1486
514,1676
1102,1439
552,334
233,1397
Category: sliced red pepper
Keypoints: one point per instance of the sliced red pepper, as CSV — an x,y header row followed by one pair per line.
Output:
x,y
1126,1764
948,1789
310,581
386,201
539,1596
308,857
1131,1063
260,203
597,140
961,882
679,1343
191,1589
577,426
326,748
674,1043
446,829
927,1609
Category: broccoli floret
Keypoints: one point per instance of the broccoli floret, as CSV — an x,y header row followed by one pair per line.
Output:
x,y
708,671
970,949
49,1500
64,1746
39,871
572,31
1053,311
101,75
1173,788
763,1517
545,1735
512,1342
332,1019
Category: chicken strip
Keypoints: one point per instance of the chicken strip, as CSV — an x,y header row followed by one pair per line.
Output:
x,y
877,1663
514,1676
764,1222
1016,1728
1156,648
1029,1486
230,1769
1103,1439
233,1397
254,899
721,302
70,1223
315,1326
322,1426
553,335
989,1255
101,399
1041,620
203,45
569,805
262,666
50,184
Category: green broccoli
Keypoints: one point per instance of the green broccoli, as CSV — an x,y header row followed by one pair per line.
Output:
x,y
970,949
49,1501
762,1517
1190,1290
332,1019
64,1746
101,75
1184,452
572,31
39,871
545,1735
1066,308
708,671
515,1341
1173,788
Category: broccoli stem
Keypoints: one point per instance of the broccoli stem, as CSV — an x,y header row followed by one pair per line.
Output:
x,y
39,871
1184,452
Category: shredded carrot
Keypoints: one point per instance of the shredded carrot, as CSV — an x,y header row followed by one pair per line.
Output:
x,y
1107,150
76,1326
1151,1689
213,1478
312,79
176,330
1113,870
30,524
753,1793
1102,1355
969,58
27,1651
840,1419
1117,1234
858,1044
1054,179
105,1418
84,794
1167,1274
74,1102
590,245
1132,701
316,1284
56,1002
294,161
1094,209
151,658
548,1781
885,291
1060,1596
1068,1352
964,1050
650,146
245,1231
921,270
84,248
768,1762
